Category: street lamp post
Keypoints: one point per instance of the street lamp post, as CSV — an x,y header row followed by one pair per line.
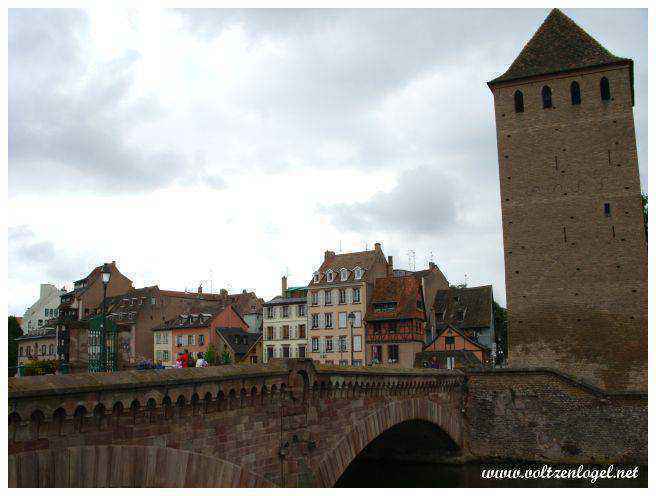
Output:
x,y
106,275
351,319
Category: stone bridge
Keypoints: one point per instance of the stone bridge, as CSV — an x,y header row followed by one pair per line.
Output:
x,y
295,423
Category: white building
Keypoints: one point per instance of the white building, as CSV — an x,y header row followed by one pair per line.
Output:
x,y
285,324
42,310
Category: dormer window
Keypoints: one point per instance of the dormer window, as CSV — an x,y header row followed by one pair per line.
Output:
x,y
358,273
316,277
343,274
330,276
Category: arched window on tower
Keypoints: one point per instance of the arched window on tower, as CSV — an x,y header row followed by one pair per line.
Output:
x,y
604,86
519,101
575,90
546,97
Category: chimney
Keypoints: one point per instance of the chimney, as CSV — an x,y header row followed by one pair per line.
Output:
x,y
390,265
377,247
43,291
200,289
328,255
284,284
431,265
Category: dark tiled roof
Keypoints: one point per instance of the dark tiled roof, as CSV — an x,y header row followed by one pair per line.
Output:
x,y
559,45
474,303
363,259
279,300
197,314
239,340
464,359
403,291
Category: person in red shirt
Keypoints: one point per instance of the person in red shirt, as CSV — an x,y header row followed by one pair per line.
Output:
x,y
185,359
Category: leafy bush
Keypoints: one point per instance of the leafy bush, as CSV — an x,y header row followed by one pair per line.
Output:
x,y
40,367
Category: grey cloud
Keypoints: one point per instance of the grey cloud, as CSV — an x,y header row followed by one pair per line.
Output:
x,y
424,202
29,254
71,124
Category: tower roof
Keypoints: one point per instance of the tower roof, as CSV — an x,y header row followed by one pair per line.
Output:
x,y
559,45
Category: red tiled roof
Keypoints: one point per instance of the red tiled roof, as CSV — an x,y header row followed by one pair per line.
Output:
x,y
362,259
559,45
404,291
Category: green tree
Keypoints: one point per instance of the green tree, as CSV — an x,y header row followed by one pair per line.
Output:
x,y
14,332
210,355
225,358
644,211
501,331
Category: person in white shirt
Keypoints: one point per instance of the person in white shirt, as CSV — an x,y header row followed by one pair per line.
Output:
x,y
201,362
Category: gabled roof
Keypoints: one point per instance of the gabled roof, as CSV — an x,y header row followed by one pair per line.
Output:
x,y
239,340
362,259
403,291
559,45
203,314
475,303
458,331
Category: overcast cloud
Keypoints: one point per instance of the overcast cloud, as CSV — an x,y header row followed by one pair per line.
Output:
x,y
247,142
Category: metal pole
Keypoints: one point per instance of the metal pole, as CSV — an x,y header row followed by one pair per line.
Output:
x,y
103,333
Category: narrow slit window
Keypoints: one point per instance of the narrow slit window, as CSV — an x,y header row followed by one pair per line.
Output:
x,y
564,234
546,97
575,91
519,102
607,209
604,87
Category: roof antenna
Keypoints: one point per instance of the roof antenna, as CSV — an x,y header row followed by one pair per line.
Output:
x,y
411,259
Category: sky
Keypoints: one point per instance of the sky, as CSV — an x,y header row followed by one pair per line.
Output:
x,y
230,147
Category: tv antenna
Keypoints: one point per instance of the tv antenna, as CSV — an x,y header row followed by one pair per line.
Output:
x,y
411,259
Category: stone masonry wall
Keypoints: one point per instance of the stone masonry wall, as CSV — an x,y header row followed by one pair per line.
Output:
x,y
542,415
576,279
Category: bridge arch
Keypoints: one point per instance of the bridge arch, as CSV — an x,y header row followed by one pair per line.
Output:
x,y
333,464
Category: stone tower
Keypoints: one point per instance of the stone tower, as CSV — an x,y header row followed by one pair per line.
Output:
x,y
575,247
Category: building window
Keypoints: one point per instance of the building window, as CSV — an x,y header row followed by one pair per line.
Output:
x,y
450,363
269,333
329,276
342,296
43,349
377,352
253,359
20,351
329,344
358,273
604,86
316,277
271,312
575,91
301,331
269,352
285,332
450,342
357,343
301,311
314,298
178,341
201,339
357,363
519,101
315,344
358,319
342,320
393,353
356,295
285,311
342,343
460,315
546,97
343,363
328,320
388,306
315,320
343,274
607,209
328,297
301,351
285,351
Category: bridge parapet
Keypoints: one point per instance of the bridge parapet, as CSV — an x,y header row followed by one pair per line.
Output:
x,y
44,408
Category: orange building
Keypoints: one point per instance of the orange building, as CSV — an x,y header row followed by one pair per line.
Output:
x,y
453,349
195,329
